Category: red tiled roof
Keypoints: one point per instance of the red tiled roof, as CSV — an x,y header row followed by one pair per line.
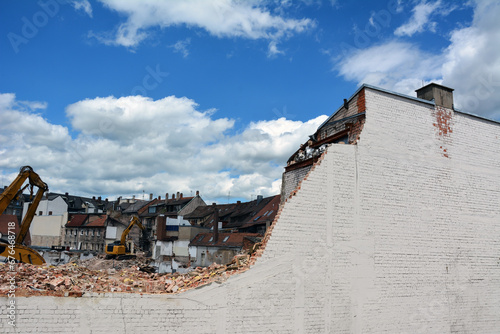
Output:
x,y
77,221
230,240
99,222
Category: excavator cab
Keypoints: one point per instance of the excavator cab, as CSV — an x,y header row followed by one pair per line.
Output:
x,y
118,249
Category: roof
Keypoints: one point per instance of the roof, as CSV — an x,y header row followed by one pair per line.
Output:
x,y
77,220
233,215
404,96
225,240
88,220
145,207
135,207
266,214
99,222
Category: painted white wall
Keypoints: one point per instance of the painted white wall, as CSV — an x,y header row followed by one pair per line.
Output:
x,y
388,236
58,207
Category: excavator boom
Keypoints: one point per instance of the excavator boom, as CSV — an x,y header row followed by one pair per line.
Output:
x,y
15,249
120,249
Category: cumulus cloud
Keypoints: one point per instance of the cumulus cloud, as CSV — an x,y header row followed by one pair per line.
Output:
x,y
421,18
132,144
470,64
394,65
220,18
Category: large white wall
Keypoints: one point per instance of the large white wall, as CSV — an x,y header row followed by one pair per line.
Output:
x,y
388,236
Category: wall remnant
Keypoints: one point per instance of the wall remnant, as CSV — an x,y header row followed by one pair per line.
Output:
x,y
370,241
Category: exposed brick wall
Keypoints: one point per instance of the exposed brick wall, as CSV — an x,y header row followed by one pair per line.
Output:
x,y
386,236
291,180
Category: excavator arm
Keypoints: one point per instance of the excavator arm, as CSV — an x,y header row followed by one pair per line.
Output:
x,y
133,221
14,248
119,250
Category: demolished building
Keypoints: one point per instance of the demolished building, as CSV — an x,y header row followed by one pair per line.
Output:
x,y
394,231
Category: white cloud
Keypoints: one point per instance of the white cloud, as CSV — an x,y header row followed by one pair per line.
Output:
x,y
421,18
130,144
470,64
82,5
220,18
182,47
393,65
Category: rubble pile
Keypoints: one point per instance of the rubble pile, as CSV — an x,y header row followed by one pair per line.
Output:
x,y
99,275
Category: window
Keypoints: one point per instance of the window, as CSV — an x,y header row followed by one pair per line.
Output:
x,y
92,232
86,232
81,232
225,239
270,213
152,209
50,213
40,213
98,233
211,239
201,238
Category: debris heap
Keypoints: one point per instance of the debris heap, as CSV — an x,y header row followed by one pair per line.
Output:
x,y
107,276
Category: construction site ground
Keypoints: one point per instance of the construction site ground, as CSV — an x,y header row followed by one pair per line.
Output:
x,y
100,275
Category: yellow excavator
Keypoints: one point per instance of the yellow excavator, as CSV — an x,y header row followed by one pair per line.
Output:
x,y
12,248
119,249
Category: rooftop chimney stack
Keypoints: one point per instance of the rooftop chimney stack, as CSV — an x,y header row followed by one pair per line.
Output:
x,y
150,196
216,223
197,193
442,96
178,194
182,195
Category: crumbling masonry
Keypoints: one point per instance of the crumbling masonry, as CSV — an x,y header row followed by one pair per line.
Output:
x,y
396,231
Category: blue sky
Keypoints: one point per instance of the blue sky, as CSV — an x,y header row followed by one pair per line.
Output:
x,y
116,97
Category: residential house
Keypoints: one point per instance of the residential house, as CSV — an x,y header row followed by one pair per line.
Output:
x,y
220,247
251,216
88,232
171,251
174,207
52,215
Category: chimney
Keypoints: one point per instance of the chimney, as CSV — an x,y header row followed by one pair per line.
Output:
x,y
177,195
442,96
133,196
173,196
216,223
106,200
259,198
159,198
99,199
238,202
181,196
150,196
197,193
93,197
65,194
166,196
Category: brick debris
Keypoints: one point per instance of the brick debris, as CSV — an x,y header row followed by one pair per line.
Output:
x,y
129,276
